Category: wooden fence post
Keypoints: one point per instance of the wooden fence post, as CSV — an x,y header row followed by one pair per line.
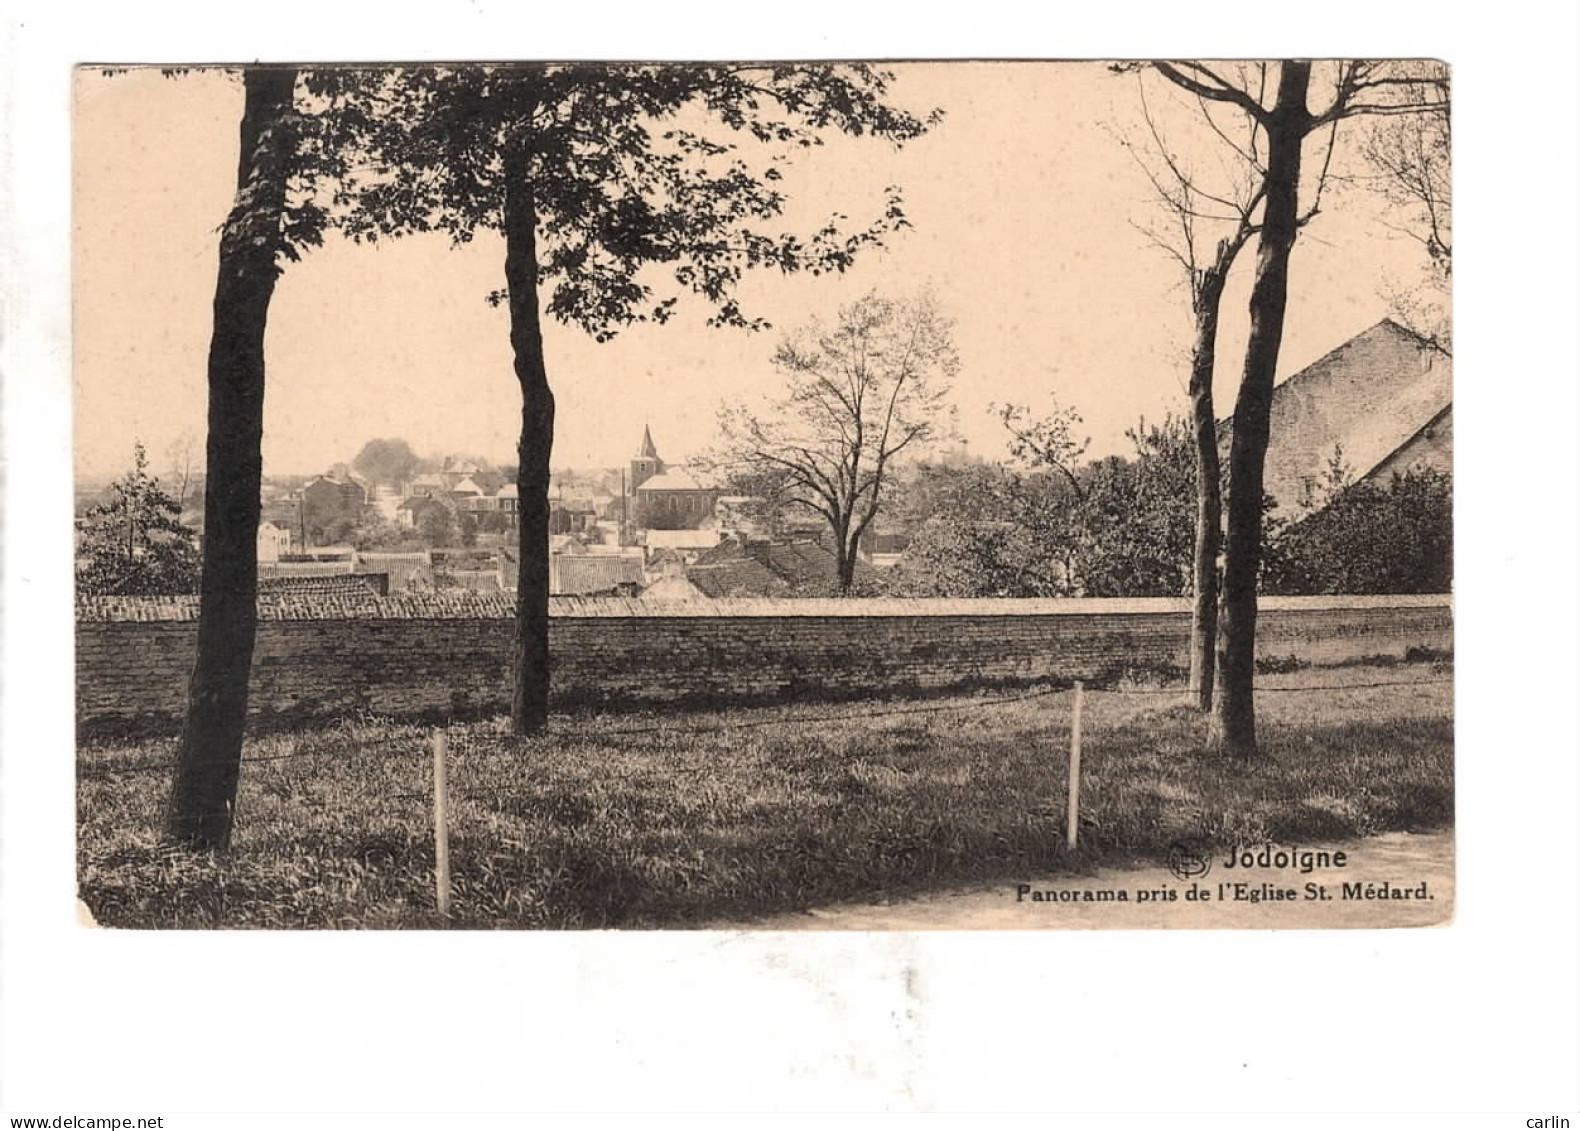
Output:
x,y
441,831
1072,817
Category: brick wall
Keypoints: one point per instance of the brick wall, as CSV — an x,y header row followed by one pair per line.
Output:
x,y
429,655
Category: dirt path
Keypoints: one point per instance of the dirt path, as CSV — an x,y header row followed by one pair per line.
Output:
x,y
1402,862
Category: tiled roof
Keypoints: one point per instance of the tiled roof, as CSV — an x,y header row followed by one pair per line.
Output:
x,y
588,573
742,577
287,568
342,585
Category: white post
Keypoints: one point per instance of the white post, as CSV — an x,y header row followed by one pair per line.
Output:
x,y
1072,817
441,831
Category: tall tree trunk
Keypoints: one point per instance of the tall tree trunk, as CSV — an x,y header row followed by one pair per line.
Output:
x,y
844,557
1209,501
529,704
203,798
1287,126
847,567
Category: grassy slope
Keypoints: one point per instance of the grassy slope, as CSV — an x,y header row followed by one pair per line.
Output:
x,y
681,819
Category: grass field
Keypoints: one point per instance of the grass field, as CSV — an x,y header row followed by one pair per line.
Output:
x,y
683,820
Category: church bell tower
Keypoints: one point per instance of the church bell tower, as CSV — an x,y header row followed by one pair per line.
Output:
x,y
646,463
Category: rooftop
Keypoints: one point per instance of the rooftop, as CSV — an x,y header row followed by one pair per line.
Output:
x,y
673,479
1368,397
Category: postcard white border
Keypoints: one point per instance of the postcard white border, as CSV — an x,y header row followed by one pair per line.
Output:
x,y
1479,1016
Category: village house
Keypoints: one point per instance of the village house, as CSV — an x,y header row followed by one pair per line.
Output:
x,y
273,541
883,544
428,484
331,506
411,510
570,513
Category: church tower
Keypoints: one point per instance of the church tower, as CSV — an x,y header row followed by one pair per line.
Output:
x,y
646,464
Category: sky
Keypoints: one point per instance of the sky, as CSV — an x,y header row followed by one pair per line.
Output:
x,y
1026,214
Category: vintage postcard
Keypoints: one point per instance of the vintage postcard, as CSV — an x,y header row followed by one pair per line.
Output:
x,y
795,496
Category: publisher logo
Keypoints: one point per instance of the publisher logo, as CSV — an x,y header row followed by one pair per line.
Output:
x,y
1189,861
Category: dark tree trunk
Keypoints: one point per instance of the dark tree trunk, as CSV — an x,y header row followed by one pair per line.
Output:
x,y
203,798
529,703
844,557
847,567
1209,501
1287,126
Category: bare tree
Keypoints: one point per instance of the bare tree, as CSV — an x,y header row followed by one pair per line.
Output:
x,y
1208,216
182,458
1358,88
1408,163
1047,441
859,393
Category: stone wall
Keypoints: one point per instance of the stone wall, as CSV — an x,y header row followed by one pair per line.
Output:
x,y
433,655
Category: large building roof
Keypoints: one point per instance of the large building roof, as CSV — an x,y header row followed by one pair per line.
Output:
x,y
1369,397
681,539
673,479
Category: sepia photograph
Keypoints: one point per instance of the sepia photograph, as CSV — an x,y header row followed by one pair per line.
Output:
x,y
826,496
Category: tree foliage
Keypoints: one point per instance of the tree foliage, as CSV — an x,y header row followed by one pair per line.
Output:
x,y
1049,441
860,393
982,530
1122,526
386,462
1137,517
134,540
631,166
1371,538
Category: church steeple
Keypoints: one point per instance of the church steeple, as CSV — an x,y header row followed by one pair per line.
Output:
x,y
647,450
646,463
